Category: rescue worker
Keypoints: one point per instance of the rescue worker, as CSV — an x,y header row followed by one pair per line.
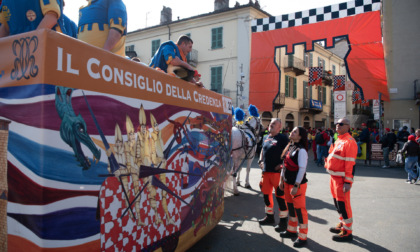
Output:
x,y
340,165
293,183
270,162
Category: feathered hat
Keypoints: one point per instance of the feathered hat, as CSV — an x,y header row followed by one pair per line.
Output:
x,y
239,115
253,111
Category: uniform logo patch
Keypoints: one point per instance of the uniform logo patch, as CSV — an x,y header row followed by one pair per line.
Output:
x,y
31,15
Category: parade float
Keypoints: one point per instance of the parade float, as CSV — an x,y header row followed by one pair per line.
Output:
x,y
100,153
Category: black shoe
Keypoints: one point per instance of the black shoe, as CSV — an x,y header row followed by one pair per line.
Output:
x,y
282,226
299,243
336,229
343,236
248,187
267,220
287,234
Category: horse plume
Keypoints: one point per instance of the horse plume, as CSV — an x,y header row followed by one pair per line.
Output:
x,y
239,114
253,111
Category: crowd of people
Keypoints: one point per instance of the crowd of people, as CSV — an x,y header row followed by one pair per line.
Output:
x,y
336,150
284,160
102,23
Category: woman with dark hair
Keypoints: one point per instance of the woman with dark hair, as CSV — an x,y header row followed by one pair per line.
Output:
x,y
293,182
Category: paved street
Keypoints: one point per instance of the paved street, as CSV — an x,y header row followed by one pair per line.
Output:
x,y
385,212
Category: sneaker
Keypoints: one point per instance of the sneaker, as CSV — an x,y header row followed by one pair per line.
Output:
x,y
343,236
287,234
408,181
298,243
413,181
418,180
337,228
385,167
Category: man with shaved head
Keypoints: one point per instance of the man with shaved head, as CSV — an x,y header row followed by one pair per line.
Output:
x,y
340,164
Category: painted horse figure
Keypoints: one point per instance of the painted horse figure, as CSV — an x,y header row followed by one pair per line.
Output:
x,y
245,137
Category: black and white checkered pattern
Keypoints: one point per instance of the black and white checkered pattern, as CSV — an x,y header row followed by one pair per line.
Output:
x,y
315,15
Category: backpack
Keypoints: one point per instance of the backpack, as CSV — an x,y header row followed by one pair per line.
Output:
x,y
319,139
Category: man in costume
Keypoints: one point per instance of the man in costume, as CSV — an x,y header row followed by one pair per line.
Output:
x,y
19,16
103,23
270,163
340,165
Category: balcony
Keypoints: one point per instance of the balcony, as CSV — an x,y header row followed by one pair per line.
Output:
x,y
310,106
279,101
327,78
293,64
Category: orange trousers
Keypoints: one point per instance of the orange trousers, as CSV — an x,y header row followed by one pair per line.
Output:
x,y
342,202
297,210
270,181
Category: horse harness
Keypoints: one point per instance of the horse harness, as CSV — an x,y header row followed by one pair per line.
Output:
x,y
245,142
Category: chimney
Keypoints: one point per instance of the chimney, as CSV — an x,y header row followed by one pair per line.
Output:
x,y
166,15
221,5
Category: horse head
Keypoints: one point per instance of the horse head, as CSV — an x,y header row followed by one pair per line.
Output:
x,y
254,123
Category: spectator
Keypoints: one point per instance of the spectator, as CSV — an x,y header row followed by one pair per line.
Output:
x,y
321,139
411,150
388,141
293,183
364,137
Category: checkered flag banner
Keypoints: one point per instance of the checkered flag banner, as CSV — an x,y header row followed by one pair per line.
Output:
x,y
356,97
339,82
316,15
315,76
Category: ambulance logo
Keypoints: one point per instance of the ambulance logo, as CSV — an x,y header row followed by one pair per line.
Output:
x,y
31,15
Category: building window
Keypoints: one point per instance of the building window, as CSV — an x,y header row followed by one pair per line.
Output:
x,y
321,62
290,87
319,93
217,38
155,46
324,95
311,59
333,69
216,79
129,48
306,59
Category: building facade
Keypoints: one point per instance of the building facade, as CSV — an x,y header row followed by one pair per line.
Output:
x,y
298,103
401,34
221,49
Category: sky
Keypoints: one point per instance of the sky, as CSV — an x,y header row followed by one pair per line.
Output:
x,y
143,14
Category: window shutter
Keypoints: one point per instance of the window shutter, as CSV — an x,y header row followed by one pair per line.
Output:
x,y
311,58
286,86
294,88
324,95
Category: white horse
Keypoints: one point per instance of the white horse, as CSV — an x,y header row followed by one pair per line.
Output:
x,y
244,145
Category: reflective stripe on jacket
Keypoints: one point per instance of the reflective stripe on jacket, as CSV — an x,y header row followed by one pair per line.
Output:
x,y
342,158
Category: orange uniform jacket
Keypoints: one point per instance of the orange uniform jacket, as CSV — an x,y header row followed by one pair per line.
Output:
x,y
342,158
